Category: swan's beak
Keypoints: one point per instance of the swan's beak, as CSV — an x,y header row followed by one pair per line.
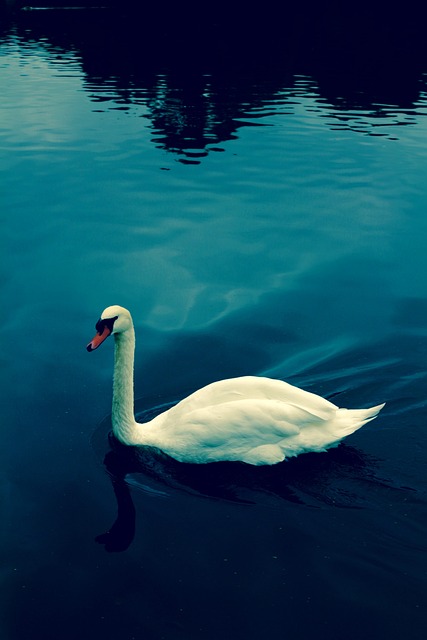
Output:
x,y
98,339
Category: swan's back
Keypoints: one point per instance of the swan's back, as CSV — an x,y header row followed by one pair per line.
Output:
x,y
253,388
254,420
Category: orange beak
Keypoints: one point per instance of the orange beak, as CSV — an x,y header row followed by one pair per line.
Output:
x,y
98,339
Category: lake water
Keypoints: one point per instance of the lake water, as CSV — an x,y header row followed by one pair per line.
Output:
x,y
259,204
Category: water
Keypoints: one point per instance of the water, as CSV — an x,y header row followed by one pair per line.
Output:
x,y
259,205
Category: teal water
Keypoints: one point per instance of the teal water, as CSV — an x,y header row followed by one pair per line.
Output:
x,y
259,213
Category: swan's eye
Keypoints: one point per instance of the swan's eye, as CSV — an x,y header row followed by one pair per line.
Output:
x,y
107,322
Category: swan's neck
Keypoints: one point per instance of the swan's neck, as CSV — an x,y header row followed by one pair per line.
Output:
x,y
123,403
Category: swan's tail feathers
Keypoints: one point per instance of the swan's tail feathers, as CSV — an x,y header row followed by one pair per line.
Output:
x,y
350,420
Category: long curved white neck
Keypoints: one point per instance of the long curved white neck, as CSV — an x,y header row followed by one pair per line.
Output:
x,y
123,400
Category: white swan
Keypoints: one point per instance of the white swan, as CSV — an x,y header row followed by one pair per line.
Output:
x,y
252,419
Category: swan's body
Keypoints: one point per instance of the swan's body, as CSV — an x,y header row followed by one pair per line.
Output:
x,y
251,419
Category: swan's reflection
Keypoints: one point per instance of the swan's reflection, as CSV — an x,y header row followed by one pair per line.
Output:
x,y
341,477
121,534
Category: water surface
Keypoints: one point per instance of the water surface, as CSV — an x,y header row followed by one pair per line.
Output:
x,y
260,207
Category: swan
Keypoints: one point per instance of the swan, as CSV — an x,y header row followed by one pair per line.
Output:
x,y
256,420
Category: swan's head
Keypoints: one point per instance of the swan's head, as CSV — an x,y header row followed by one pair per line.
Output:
x,y
113,320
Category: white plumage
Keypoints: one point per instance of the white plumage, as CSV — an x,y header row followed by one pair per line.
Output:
x,y
249,419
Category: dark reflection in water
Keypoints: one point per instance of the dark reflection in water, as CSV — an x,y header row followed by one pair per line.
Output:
x,y
199,78
121,533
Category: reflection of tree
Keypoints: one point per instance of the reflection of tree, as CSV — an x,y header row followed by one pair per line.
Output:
x,y
188,117
194,76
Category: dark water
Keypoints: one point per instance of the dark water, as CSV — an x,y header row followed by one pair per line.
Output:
x,y
255,191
